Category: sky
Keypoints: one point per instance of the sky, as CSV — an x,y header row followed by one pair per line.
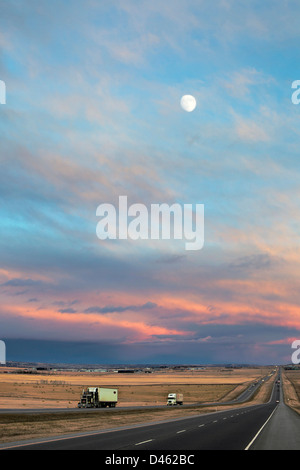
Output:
x,y
92,113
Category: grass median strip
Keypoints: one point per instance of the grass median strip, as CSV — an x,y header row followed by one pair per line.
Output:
x,y
29,426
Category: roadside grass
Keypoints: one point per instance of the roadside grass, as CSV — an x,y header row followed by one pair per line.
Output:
x,y
291,389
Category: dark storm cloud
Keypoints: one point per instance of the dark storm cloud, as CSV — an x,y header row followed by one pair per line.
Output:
x,y
229,345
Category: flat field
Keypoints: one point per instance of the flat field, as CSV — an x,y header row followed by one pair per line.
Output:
x,y
63,389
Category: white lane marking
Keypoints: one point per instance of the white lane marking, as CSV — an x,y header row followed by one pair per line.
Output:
x,y
201,425
256,436
178,432
215,421
144,442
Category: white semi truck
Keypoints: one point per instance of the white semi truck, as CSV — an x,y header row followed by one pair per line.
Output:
x,y
175,399
97,397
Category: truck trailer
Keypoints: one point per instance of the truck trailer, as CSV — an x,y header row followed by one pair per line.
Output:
x,y
97,397
175,399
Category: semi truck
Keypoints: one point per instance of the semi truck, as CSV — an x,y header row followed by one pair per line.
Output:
x,y
175,399
97,397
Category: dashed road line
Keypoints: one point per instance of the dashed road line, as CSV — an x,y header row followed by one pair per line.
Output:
x,y
144,442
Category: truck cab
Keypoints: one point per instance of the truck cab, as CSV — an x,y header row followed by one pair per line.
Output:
x,y
88,398
175,399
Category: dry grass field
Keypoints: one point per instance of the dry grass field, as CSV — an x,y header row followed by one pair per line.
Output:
x,y
291,388
63,390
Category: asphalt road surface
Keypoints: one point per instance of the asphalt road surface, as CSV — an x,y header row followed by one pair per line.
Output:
x,y
240,429
282,432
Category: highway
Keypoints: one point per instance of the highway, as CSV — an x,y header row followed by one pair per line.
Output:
x,y
236,429
282,432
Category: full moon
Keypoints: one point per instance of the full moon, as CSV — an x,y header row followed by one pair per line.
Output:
x,y
188,103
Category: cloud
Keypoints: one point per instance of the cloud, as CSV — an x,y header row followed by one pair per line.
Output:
x,y
257,261
251,131
68,310
171,259
241,83
18,282
120,309
240,345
